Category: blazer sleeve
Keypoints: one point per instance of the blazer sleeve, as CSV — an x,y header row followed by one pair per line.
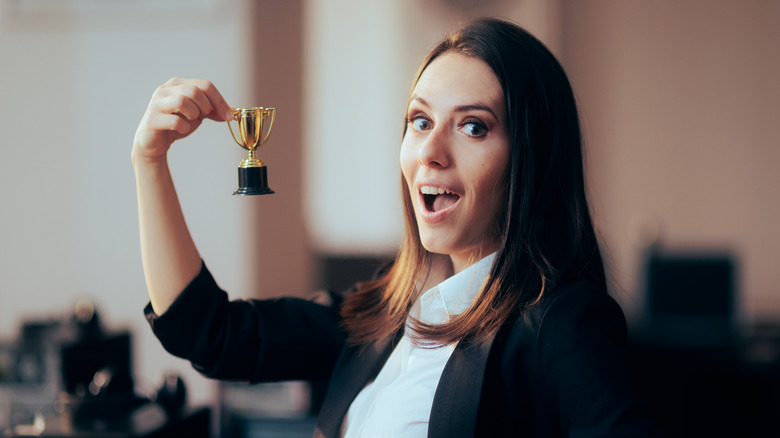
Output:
x,y
250,340
580,347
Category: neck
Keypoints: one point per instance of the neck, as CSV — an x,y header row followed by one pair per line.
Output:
x,y
440,270
461,261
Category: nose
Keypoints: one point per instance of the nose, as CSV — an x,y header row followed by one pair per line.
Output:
x,y
434,150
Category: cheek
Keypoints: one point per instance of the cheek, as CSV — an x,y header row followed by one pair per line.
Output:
x,y
491,172
408,161
491,186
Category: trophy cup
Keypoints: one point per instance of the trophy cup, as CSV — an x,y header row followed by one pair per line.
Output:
x,y
252,173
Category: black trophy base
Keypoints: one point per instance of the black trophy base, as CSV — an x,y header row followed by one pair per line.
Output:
x,y
253,181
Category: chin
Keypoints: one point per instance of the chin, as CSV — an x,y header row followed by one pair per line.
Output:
x,y
436,246
448,246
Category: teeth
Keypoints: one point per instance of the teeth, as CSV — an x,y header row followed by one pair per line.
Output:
x,y
430,190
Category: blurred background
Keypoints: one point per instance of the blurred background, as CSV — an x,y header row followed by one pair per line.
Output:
x,y
680,105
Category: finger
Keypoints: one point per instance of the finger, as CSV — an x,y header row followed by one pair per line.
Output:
x,y
179,105
185,98
200,99
202,92
221,110
170,122
174,81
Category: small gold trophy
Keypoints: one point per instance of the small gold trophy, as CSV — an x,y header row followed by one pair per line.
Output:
x,y
252,173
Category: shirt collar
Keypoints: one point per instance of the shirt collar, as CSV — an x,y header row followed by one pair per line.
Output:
x,y
452,296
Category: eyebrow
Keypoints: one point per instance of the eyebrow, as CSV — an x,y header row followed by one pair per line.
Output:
x,y
461,108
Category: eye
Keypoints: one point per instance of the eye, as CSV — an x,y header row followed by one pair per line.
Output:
x,y
474,129
420,123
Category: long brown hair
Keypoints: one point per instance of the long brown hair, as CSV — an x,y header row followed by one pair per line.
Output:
x,y
546,232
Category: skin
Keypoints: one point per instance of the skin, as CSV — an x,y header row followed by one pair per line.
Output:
x,y
457,138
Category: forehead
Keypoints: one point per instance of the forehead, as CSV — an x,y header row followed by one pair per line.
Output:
x,y
457,79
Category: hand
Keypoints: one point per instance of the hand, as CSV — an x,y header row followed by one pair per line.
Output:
x,y
175,111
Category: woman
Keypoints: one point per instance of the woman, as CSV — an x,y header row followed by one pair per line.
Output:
x,y
492,321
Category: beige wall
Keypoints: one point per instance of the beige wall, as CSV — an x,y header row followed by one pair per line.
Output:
x,y
680,102
74,83
279,260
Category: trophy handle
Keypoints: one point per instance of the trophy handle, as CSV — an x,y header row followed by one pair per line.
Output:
x,y
270,127
235,117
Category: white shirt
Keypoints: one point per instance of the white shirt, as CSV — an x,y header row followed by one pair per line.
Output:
x,y
398,403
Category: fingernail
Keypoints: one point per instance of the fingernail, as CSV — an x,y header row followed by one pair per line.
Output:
x,y
228,115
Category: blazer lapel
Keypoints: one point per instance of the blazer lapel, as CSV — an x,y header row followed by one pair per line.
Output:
x,y
355,368
456,402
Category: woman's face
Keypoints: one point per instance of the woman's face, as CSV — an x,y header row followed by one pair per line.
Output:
x,y
454,157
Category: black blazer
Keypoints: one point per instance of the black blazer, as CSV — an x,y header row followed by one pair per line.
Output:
x,y
555,371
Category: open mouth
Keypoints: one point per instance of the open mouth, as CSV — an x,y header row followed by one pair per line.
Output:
x,y
437,199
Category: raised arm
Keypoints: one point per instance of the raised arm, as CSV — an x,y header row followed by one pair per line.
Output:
x,y
170,258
